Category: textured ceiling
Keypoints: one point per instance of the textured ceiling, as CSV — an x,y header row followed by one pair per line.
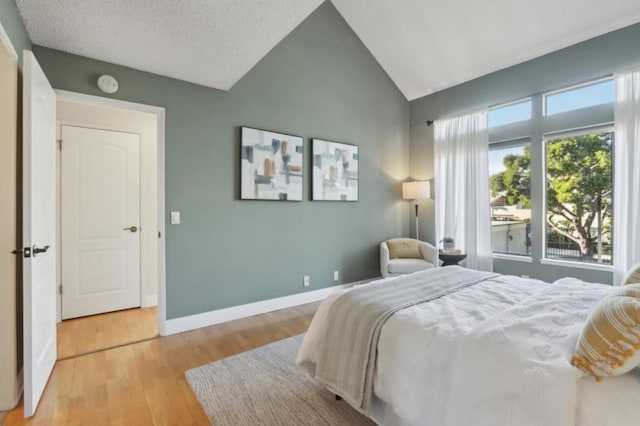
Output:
x,y
429,45
424,45
210,42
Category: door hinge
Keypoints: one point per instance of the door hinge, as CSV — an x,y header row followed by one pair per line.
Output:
x,y
60,289
159,234
59,144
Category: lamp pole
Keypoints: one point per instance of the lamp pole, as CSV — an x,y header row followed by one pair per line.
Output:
x,y
417,233
414,191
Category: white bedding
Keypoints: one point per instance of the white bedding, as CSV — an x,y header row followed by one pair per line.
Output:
x,y
429,375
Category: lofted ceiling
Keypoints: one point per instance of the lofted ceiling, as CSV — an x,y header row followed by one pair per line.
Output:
x,y
209,42
423,45
429,45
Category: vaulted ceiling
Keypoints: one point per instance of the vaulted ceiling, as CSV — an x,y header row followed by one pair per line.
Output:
x,y
423,45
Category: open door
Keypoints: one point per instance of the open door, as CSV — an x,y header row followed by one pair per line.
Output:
x,y
39,216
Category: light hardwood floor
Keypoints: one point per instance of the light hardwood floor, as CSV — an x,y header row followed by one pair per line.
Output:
x,y
88,334
144,383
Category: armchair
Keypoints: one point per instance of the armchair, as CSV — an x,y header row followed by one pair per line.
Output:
x,y
426,257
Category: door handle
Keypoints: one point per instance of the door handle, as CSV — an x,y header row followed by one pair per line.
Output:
x,y
26,252
37,250
131,228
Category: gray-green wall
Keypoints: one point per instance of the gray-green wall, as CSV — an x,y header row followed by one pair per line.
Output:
x,y
320,81
598,57
12,24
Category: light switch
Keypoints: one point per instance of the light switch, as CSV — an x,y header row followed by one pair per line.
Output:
x,y
175,218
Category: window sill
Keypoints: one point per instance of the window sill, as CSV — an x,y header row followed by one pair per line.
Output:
x,y
578,265
514,257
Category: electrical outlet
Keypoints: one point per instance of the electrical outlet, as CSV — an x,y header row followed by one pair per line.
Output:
x,y
306,281
336,275
175,218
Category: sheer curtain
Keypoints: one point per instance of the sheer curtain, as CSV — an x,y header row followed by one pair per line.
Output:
x,y
462,186
626,192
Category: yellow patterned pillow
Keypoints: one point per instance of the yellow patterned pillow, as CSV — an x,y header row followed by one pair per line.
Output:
x,y
407,249
610,341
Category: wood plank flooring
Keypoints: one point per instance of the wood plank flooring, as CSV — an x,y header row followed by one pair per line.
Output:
x,y
144,383
96,332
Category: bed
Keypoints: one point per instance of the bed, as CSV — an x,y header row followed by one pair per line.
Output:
x,y
481,349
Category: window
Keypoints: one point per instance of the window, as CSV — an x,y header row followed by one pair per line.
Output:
x,y
510,189
568,194
578,170
582,96
510,113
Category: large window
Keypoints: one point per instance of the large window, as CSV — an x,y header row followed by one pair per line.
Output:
x,y
579,196
510,185
550,184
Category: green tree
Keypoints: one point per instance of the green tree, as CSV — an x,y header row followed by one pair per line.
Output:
x,y
578,179
579,188
515,181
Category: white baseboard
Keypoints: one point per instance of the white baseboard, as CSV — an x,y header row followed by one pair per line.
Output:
x,y
205,319
149,300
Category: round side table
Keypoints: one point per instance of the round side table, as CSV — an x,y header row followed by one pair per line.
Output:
x,y
452,259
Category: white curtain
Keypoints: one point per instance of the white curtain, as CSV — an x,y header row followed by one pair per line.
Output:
x,y
462,186
626,192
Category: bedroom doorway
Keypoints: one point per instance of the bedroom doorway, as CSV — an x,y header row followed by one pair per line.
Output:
x,y
110,227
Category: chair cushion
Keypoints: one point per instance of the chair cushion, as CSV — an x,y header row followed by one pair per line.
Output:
x,y
404,248
408,266
610,341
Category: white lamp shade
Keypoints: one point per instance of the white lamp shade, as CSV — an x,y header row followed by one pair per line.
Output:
x,y
416,190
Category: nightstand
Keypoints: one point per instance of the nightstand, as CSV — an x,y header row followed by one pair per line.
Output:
x,y
451,259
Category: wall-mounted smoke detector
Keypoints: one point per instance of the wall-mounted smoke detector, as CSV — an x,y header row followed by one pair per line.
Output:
x,y
108,84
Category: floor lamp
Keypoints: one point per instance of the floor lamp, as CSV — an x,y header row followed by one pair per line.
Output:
x,y
414,191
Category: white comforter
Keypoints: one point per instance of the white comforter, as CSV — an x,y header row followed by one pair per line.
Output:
x,y
493,354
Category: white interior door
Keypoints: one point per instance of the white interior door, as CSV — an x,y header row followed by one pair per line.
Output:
x,y
100,221
39,219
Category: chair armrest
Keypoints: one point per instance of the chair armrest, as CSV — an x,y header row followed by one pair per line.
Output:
x,y
633,276
384,259
429,253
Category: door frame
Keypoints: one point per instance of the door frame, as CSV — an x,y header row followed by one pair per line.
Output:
x,y
65,95
14,381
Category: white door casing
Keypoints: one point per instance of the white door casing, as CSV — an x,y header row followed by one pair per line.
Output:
x,y
39,216
100,203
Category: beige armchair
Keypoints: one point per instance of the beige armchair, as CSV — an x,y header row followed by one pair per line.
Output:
x,y
633,276
406,255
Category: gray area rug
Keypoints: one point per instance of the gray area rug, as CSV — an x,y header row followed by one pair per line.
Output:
x,y
266,387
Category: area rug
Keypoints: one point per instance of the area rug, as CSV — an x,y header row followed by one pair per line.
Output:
x,y
266,387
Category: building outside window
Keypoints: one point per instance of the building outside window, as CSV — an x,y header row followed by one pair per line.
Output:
x,y
510,191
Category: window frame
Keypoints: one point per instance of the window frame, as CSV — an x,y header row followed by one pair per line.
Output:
x,y
502,144
546,95
536,129
508,104
555,135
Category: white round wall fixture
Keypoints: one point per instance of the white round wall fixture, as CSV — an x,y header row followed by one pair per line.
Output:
x,y
108,84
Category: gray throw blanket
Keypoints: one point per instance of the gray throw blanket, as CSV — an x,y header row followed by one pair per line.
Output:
x,y
346,361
